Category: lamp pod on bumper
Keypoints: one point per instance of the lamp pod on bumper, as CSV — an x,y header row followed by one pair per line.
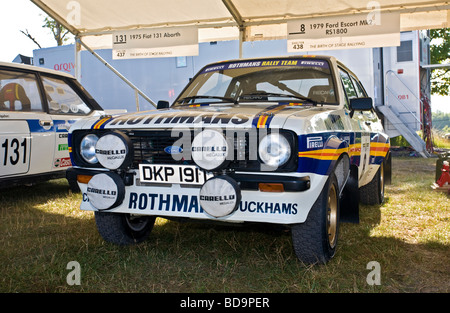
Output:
x,y
220,196
105,191
113,150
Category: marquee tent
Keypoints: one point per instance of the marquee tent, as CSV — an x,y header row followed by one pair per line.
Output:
x,y
257,19
94,22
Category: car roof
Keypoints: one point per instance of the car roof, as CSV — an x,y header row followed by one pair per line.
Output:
x,y
34,69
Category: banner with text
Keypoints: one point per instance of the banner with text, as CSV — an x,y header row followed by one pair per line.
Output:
x,y
155,43
344,32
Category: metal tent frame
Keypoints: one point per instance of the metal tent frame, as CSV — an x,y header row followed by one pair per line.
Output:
x,y
252,18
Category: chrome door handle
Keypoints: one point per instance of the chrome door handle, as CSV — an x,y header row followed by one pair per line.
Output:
x,y
45,123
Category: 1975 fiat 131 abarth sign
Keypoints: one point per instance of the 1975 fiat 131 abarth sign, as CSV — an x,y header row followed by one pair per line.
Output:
x,y
291,140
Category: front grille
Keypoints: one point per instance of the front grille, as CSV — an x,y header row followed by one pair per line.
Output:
x,y
149,147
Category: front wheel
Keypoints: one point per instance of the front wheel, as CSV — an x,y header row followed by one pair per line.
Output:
x,y
315,240
123,229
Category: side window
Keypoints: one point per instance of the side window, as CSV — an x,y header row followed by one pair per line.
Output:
x,y
19,92
348,86
62,99
359,89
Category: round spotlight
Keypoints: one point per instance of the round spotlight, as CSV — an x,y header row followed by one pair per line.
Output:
x,y
105,191
210,149
112,150
220,196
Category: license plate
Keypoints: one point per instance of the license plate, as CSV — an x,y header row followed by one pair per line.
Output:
x,y
172,174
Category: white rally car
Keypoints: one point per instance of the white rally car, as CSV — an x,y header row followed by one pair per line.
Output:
x,y
290,140
37,108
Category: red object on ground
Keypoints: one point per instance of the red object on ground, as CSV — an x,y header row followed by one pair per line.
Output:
x,y
445,176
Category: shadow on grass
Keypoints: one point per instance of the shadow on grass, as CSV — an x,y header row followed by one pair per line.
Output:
x,y
42,230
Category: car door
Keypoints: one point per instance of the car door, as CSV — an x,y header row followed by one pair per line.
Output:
x,y
26,131
66,104
363,126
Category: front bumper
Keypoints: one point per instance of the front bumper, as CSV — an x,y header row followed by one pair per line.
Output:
x,y
287,198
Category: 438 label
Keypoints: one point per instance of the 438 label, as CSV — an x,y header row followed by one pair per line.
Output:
x,y
14,154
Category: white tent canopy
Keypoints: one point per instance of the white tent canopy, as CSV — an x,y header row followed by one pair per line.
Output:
x,y
93,22
226,19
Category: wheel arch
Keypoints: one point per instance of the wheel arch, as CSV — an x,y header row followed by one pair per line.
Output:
x,y
347,177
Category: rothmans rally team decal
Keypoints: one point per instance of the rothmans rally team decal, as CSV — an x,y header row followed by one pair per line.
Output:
x,y
267,63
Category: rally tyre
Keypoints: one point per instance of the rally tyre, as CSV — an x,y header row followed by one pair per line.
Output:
x,y
373,192
123,229
315,240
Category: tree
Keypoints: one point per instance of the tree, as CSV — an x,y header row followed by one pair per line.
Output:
x,y
441,120
26,33
59,32
439,50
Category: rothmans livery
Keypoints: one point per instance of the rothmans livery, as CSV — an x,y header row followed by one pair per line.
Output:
x,y
291,140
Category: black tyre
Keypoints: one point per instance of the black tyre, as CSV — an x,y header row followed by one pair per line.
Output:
x,y
373,192
123,229
315,240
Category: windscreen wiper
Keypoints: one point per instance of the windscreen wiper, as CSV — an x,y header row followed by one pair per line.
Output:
x,y
207,97
273,94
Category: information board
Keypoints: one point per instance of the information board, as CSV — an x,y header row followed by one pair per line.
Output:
x,y
155,43
344,32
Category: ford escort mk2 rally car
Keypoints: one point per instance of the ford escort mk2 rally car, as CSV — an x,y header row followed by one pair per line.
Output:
x,y
290,140
37,108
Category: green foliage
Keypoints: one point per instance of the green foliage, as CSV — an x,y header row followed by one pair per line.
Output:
x,y
441,121
439,50
59,32
399,141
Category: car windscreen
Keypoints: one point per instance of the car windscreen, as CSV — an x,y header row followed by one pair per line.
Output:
x,y
262,80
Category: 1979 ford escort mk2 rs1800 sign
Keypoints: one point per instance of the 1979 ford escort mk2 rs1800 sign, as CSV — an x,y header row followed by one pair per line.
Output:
x,y
292,141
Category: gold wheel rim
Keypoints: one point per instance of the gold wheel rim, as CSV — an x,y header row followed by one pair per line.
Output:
x,y
332,216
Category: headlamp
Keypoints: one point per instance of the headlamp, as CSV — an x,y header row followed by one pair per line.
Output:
x,y
87,148
274,150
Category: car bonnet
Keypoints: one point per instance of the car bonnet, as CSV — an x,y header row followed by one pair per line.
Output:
x,y
236,116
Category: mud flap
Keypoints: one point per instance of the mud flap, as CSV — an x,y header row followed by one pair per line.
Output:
x,y
349,201
388,169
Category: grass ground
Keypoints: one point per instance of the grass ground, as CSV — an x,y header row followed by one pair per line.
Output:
x,y
42,230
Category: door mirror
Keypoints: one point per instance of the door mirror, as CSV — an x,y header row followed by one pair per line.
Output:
x,y
360,104
162,104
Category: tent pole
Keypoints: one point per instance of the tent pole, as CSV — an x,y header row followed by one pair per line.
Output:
x,y
129,83
77,60
241,41
239,21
